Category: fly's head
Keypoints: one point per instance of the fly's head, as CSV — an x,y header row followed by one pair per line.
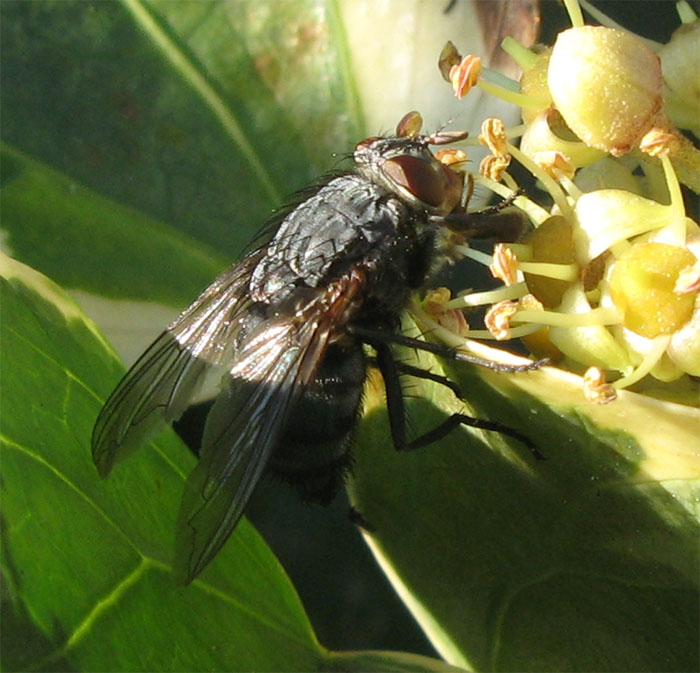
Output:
x,y
405,165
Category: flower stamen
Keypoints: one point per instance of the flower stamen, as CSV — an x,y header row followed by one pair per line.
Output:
x,y
596,389
505,264
498,318
472,299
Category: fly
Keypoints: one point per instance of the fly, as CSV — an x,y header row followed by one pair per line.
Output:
x,y
287,328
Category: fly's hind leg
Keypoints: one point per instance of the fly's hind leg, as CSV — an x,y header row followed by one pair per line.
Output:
x,y
411,370
391,371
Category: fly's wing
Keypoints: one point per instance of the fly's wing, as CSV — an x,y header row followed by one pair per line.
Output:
x,y
246,423
160,385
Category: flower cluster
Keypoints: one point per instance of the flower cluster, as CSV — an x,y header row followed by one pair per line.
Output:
x,y
608,280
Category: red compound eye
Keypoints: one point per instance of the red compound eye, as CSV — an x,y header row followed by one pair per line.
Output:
x,y
427,180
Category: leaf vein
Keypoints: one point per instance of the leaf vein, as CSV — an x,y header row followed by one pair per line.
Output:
x,y
146,561
69,374
111,599
61,477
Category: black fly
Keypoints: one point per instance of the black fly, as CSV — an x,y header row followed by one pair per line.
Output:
x,y
286,327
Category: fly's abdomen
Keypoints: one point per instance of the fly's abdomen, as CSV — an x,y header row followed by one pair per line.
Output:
x,y
313,454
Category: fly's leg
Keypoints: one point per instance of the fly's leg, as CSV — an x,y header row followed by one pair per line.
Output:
x,y
430,376
391,372
411,370
497,207
488,222
374,337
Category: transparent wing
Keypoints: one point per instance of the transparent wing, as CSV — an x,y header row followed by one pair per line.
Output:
x,y
242,430
244,427
160,385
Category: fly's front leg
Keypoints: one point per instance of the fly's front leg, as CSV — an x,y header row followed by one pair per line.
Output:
x,y
374,337
488,222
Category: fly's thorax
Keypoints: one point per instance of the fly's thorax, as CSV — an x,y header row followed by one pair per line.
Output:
x,y
346,222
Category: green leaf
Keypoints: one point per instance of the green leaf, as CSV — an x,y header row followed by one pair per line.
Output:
x,y
385,662
201,114
48,216
87,583
585,561
88,562
129,272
